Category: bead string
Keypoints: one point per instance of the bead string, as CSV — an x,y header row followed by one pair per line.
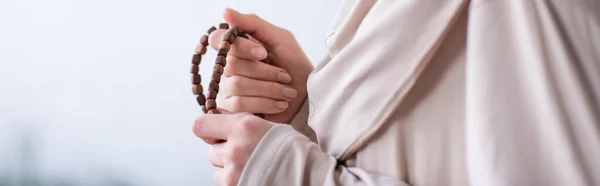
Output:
x,y
209,103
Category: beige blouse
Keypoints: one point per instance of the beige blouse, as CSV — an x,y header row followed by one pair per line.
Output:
x,y
447,92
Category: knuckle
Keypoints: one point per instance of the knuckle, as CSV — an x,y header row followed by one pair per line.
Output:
x,y
236,103
279,49
235,85
286,33
233,154
198,125
232,65
246,124
230,177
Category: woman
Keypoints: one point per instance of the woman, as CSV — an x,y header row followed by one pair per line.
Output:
x,y
429,92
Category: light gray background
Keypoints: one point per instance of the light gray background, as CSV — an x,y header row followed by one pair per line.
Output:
x,y
98,92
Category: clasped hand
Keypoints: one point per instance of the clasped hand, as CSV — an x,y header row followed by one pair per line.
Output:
x,y
250,86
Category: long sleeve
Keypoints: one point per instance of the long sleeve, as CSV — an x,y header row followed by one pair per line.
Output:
x,y
300,122
286,157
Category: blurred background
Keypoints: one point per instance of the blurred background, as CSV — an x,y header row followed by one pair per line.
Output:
x,y
98,92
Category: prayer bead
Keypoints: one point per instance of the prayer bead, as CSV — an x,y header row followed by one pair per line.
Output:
x,y
200,49
225,45
222,52
196,79
221,60
216,77
213,86
201,99
197,89
210,30
229,37
218,69
223,26
212,94
196,59
241,33
195,69
233,30
204,40
211,104
204,108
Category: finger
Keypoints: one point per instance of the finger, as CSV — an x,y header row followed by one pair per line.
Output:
x,y
215,38
242,48
225,177
219,178
214,155
213,127
254,105
210,141
247,68
243,86
254,25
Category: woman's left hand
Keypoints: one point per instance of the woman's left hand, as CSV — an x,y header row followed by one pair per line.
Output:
x,y
239,134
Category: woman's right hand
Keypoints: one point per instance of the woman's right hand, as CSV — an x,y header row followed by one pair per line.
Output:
x,y
276,90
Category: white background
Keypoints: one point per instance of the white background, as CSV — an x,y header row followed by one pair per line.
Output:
x,y
98,92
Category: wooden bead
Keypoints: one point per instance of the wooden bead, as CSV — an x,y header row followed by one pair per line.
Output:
x,y
197,89
200,49
218,69
204,109
223,26
229,37
225,45
216,77
195,69
214,111
204,40
201,99
196,79
210,30
241,33
196,59
221,60
233,31
212,94
222,52
213,86
211,104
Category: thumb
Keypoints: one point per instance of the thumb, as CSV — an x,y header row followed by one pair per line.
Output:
x,y
255,26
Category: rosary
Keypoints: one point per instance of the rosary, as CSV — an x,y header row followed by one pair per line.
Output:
x,y
209,103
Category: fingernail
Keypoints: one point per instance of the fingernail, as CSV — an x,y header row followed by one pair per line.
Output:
x,y
289,92
281,104
284,77
258,53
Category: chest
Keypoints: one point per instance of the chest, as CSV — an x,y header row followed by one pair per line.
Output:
x,y
377,50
